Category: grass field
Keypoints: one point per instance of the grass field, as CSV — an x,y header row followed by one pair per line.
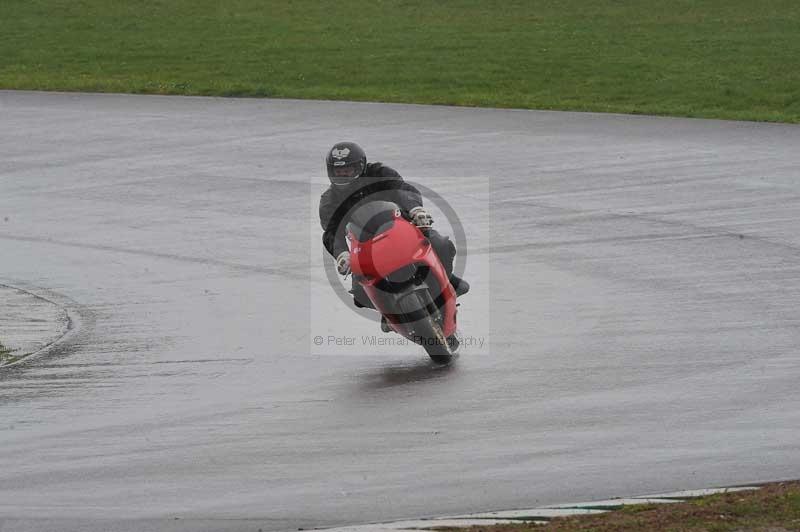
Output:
x,y
707,58
5,355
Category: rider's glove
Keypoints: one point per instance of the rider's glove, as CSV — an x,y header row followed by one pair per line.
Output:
x,y
420,217
343,263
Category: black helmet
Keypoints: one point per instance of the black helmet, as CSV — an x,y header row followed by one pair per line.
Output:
x,y
346,162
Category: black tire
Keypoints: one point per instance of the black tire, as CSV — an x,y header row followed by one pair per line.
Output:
x,y
427,330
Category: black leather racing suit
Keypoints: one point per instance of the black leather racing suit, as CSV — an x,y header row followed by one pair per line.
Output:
x,y
378,183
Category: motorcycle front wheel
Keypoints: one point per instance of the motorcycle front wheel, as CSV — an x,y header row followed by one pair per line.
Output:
x,y
427,332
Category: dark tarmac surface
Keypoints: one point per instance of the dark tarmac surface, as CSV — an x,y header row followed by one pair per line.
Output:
x,y
641,276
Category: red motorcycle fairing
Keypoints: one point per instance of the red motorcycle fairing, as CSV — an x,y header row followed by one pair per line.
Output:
x,y
402,245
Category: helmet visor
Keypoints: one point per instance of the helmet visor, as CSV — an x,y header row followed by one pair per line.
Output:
x,y
345,174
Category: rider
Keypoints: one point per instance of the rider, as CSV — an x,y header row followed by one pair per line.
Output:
x,y
354,182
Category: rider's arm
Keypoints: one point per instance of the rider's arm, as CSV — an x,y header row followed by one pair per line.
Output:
x,y
408,197
333,237
334,243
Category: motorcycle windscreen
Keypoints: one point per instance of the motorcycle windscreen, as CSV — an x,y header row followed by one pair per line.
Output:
x,y
372,219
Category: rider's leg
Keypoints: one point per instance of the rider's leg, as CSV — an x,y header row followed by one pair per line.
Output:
x,y
360,298
446,251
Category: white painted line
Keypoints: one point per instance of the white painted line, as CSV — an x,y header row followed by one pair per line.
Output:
x,y
424,524
699,493
612,503
534,513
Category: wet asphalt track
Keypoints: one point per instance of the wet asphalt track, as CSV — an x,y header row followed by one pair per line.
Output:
x,y
645,335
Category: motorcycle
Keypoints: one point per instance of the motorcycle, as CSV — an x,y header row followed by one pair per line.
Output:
x,y
401,274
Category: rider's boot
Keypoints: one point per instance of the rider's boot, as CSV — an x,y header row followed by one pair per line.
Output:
x,y
460,285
